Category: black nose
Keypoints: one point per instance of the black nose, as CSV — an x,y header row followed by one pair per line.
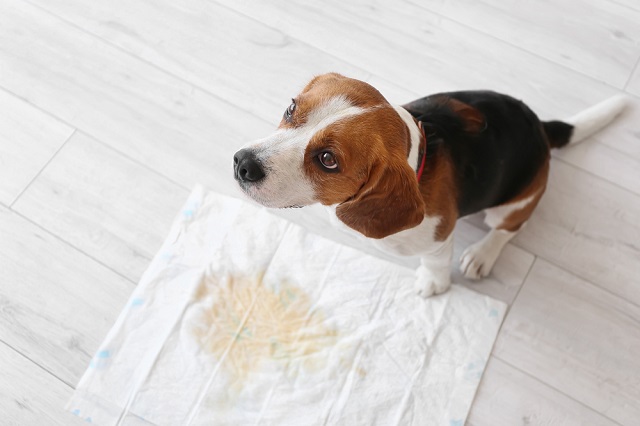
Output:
x,y
246,166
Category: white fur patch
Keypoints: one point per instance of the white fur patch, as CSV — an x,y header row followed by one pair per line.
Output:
x,y
336,109
282,156
417,241
433,275
596,117
285,183
495,216
415,133
478,259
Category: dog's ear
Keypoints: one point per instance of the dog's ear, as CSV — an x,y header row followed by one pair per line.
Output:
x,y
473,119
387,203
447,115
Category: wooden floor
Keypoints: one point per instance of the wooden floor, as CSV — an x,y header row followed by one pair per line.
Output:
x,y
110,111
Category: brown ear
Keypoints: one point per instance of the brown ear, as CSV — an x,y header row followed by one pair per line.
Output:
x,y
472,118
387,203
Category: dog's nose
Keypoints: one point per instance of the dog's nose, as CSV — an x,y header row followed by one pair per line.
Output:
x,y
246,166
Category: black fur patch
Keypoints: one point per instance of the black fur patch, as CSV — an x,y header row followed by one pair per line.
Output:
x,y
558,133
492,165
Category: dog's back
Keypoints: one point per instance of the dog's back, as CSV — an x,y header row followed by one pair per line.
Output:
x,y
496,143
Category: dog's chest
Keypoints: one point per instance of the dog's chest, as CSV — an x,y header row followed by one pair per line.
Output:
x,y
417,241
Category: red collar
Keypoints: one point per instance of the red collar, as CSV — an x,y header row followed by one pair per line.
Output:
x,y
422,151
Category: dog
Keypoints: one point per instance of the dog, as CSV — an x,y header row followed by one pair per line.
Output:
x,y
402,175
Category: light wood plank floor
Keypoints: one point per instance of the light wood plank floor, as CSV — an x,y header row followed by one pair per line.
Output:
x,y
110,111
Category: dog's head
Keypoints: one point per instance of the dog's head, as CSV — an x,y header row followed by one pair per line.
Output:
x,y
339,143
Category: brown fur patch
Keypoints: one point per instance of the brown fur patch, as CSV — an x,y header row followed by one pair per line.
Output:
x,y
439,192
385,205
327,86
375,187
359,143
536,188
473,119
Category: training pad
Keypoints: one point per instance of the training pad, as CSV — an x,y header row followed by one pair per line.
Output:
x,y
243,318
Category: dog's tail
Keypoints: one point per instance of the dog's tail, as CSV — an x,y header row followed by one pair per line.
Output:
x,y
585,123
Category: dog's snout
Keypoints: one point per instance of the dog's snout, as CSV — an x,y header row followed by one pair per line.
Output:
x,y
246,166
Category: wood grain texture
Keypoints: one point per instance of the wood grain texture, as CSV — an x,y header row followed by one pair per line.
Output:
x,y
29,395
598,158
56,304
176,88
577,338
263,66
598,37
623,134
105,204
28,139
633,86
613,153
509,397
427,53
589,227
161,121
631,4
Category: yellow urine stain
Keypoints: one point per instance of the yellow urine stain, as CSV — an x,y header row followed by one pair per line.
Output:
x,y
361,372
249,322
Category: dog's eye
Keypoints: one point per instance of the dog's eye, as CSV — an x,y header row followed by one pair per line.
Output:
x,y
289,111
328,160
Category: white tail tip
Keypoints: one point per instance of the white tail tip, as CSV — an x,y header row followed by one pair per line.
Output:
x,y
596,117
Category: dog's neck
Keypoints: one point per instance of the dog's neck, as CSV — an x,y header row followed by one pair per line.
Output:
x,y
415,137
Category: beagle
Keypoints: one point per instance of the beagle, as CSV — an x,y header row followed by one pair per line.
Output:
x,y
403,175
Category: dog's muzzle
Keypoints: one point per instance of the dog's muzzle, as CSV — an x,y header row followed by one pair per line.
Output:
x,y
246,167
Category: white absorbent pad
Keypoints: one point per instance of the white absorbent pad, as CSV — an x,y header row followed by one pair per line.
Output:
x,y
244,318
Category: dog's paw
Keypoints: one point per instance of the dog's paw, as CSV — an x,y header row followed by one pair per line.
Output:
x,y
429,283
477,260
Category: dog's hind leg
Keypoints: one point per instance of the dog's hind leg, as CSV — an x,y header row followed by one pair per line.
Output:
x,y
505,221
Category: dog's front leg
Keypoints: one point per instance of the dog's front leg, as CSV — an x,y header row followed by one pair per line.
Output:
x,y
434,272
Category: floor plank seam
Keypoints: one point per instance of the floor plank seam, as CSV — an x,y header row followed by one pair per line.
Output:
x,y
581,277
79,129
196,86
136,161
15,200
35,363
589,172
526,373
524,280
331,54
144,61
633,72
622,4
524,49
394,83
347,60
67,243
595,388
37,107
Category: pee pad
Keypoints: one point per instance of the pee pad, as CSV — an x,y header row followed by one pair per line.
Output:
x,y
244,318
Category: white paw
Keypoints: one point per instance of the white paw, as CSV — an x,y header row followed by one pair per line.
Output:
x,y
429,283
477,260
